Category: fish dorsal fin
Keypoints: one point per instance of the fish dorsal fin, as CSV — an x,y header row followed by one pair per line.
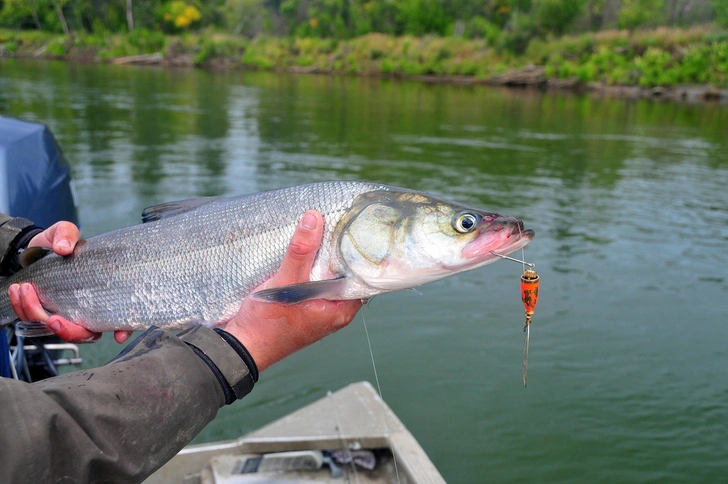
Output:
x,y
32,254
170,209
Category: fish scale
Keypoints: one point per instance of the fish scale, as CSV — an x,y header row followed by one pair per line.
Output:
x,y
195,261
193,267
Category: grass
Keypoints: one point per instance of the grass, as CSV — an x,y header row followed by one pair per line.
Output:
x,y
659,57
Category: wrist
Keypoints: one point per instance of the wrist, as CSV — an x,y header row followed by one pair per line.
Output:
x,y
254,345
236,374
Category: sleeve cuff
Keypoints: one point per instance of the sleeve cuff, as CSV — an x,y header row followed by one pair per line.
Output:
x,y
235,371
15,235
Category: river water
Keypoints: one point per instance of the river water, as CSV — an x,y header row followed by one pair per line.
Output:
x,y
629,345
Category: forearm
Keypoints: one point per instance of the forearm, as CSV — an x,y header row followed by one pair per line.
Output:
x,y
117,423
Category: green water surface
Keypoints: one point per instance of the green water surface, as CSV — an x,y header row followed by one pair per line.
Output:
x,y
629,201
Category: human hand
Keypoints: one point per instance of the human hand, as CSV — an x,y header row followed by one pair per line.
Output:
x,y
62,238
272,331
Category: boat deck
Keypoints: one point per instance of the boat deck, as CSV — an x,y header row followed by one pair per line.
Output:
x,y
351,419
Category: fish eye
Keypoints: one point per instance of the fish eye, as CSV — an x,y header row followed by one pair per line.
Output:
x,y
464,222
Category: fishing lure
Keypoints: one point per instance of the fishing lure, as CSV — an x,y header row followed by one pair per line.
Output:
x,y
529,295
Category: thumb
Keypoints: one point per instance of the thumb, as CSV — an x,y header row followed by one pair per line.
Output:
x,y
301,252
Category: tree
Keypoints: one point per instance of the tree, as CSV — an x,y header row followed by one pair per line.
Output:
x,y
244,16
721,11
129,16
18,13
634,13
556,16
58,6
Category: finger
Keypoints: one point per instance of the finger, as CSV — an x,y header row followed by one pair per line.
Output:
x,y
14,296
70,332
65,237
32,309
122,336
301,252
61,237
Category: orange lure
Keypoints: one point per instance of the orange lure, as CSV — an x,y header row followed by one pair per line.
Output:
x,y
529,296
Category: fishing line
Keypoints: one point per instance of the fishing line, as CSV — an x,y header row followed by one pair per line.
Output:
x,y
342,441
379,389
527,327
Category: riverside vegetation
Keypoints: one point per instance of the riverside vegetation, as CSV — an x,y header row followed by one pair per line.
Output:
x,y
571,43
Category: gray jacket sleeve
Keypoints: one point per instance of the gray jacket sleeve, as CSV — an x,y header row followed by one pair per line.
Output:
x,y
120,422
15,233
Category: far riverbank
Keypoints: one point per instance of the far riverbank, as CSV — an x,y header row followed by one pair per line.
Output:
x,y
675,64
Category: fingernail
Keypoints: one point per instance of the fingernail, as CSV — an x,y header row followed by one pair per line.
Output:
x,y
54,325
309,221
63,244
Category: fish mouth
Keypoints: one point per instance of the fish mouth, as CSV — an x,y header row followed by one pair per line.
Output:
x,y
503,237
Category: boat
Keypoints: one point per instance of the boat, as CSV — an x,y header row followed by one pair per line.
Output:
x,y
35,183
350,435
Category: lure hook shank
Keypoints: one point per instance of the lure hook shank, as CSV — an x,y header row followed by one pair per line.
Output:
x,y
531,265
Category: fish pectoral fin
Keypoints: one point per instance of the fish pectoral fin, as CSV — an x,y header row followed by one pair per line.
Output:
x,y
32,329
32,254
164,210
296,293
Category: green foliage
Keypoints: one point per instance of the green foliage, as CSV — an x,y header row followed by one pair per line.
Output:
x,y
208,50
178,16
721,12
655,68
58,47
523,28
265,54
419,17
587,72
16,13
245,17
480,27
557,16
345,36
145,41
635,13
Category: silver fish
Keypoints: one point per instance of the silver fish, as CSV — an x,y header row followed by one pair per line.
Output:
x,y
193,262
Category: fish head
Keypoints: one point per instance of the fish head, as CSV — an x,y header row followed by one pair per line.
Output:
x,y
399,239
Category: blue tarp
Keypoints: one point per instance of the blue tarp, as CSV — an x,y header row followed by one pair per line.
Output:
x,y
35,179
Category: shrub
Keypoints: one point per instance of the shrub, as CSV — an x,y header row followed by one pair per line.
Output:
x,y
387,66
177,16
58,47
146,41
695,64
655,68
587,72
479,27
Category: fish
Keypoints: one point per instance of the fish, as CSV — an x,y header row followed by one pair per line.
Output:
x,y
195,261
